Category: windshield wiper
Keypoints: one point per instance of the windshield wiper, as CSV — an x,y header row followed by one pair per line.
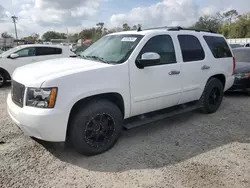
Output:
x,y
97,58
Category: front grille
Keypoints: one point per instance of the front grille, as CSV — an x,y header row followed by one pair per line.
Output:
x,y
17,93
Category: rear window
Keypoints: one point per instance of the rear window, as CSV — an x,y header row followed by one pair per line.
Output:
x,y
218,46
48,51
191,48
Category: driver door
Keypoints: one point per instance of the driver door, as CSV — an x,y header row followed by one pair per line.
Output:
x,y
157,86
25,56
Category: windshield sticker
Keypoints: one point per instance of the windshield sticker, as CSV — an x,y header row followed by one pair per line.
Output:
x,y
129,39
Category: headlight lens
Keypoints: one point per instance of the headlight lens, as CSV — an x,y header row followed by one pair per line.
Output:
x,y
41,97
242,75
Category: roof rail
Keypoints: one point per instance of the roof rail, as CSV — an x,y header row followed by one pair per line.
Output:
x,y
177,28
190,29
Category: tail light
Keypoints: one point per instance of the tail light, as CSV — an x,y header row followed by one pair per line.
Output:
x,y
234,65
73,56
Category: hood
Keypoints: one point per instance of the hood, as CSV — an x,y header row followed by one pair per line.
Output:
x,y
33,75
242,67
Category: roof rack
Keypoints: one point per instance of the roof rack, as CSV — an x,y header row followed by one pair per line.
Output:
x,y
177,28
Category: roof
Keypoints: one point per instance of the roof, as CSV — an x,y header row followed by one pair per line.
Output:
x,y
160,30
41,45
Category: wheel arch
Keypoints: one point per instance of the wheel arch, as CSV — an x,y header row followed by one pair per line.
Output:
x,y
220,77
6,73
113,97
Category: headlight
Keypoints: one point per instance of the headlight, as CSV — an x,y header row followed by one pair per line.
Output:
x,y
242,75
41,97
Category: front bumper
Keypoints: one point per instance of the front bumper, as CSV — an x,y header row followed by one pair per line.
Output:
x,y
45,124
241,85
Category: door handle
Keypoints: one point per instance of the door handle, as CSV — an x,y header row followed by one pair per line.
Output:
x,y
205,67
174,72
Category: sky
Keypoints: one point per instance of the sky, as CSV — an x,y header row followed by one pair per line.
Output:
x,y
39,16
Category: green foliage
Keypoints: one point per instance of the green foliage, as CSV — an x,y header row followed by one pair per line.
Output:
x,y
208,23
230,24
32,38
53,35
6,35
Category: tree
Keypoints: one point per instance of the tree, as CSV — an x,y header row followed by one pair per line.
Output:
x,y
6,35
73,37
125,27
33,38
100,25
134,27
53,35
208,23
87,33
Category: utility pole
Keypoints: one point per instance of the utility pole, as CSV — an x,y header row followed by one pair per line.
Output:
x,y
14,19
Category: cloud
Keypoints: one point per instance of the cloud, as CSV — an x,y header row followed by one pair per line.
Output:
x,y
49,13
165,13
175,12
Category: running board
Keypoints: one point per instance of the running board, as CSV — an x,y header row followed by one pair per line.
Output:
x,y
159,115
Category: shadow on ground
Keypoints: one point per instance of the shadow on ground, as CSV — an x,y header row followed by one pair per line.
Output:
x,y
169,141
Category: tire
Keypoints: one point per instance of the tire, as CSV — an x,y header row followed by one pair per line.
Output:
x,y
212,96
86,128
248,92
2,79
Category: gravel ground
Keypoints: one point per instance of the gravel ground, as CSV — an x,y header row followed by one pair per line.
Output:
x,y
190,150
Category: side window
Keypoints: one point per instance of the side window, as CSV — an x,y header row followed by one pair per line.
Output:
x,y
218,46
163,45
191,48
48,51
26,52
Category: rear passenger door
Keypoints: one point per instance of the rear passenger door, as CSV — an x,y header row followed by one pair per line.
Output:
x,y
45,53
194,67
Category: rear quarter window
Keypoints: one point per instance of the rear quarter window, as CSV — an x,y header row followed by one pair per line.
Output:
x,y
218,46
48,51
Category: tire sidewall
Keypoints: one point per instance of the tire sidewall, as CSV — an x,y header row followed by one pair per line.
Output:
x,y
81,121
4,79
213,83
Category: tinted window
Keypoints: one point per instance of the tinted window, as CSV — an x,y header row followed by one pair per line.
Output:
x,y
191,48
163,45
26,52
218,46
48,51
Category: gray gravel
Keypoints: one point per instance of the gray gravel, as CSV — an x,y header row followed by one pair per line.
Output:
x,y
190,150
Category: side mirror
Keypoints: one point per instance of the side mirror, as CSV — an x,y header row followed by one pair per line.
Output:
x,y
14,56
149,59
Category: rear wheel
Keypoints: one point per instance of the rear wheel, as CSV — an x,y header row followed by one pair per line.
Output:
x,y
212,96
2,79
96,128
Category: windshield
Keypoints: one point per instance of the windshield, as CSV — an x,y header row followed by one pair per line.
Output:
x,y
10,51
113,48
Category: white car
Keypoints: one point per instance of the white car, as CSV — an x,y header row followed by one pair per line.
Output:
x,y
117,80
26,54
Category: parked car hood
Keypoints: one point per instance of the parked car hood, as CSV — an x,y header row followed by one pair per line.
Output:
x,y
242,67
35,74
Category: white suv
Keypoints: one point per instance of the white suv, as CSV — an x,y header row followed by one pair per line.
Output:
x,y
88,100
26,54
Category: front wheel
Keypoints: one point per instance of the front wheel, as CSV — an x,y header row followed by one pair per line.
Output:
x,y
212,96
96,128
